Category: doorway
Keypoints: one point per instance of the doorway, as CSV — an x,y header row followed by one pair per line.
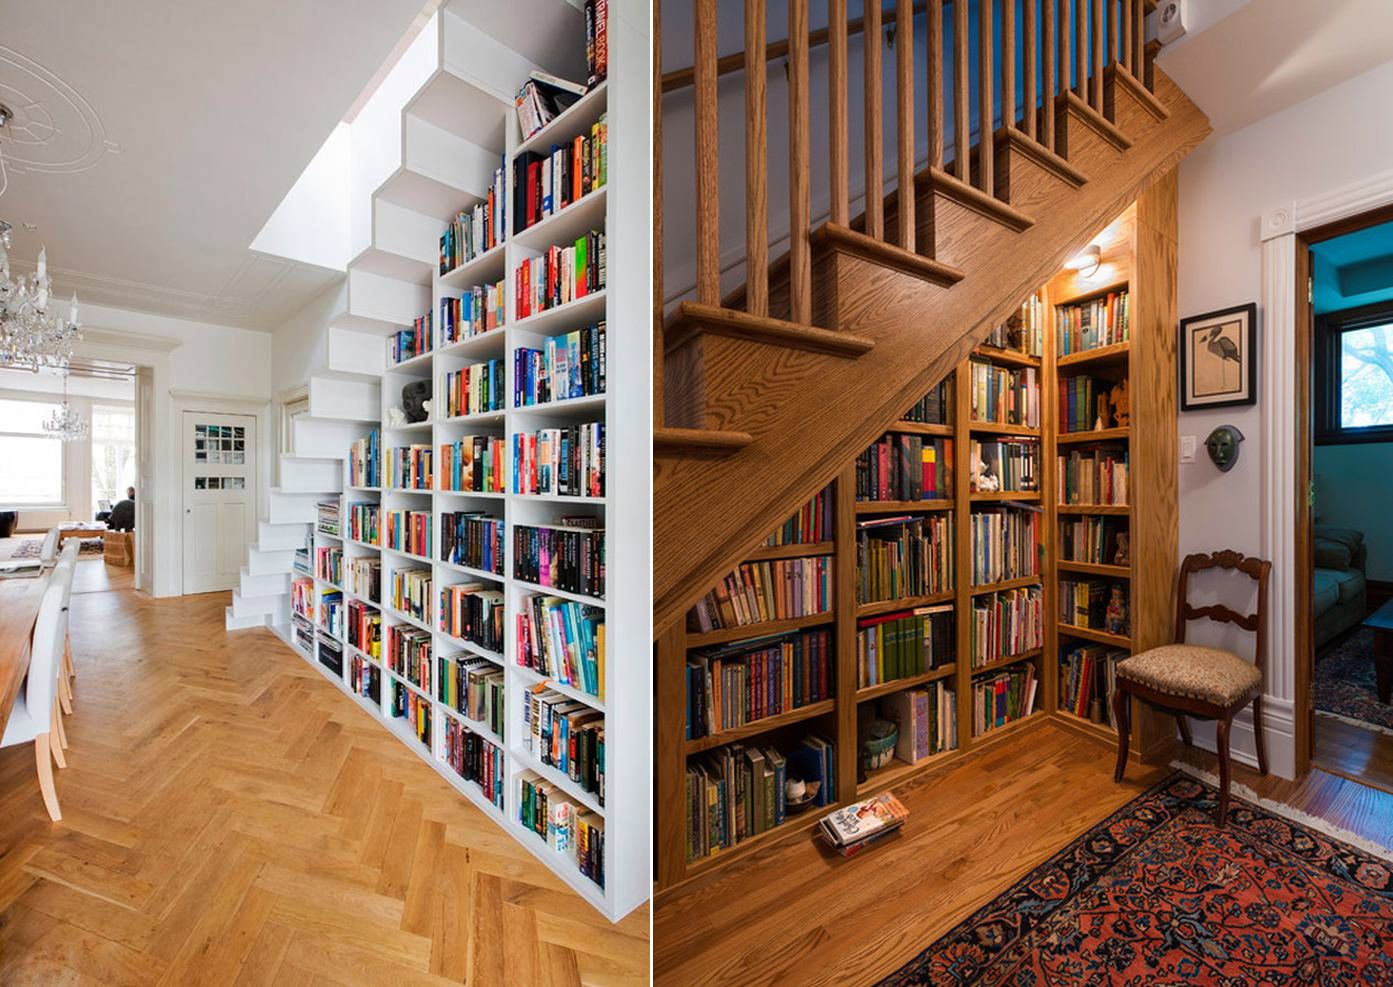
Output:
x,y
1344,586
218,452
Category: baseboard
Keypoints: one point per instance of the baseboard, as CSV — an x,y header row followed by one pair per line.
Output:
x,y
1279,732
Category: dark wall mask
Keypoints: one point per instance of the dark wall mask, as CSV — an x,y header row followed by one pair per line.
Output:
x,y
1222,446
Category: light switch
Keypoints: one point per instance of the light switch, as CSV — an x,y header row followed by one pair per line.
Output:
x,y
1187,448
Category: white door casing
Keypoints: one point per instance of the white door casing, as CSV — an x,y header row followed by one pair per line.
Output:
x,y
219,454
145,479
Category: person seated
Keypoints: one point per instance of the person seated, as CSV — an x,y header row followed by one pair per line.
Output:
x,y
123,513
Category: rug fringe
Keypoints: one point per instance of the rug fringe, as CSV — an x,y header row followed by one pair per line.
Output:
x,y
1290,812
1362,724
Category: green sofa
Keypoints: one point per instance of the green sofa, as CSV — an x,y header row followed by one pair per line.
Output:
x,y
1340,596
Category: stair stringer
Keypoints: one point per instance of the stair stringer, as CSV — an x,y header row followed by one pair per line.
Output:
x,y
811,413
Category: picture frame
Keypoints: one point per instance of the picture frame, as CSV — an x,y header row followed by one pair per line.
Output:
x,y
1218,358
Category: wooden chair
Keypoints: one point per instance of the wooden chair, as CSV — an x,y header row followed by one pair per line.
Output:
x,y
1192,680
35,715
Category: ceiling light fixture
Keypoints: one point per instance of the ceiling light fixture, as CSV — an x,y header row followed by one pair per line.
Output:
x,y
65,423
1086,261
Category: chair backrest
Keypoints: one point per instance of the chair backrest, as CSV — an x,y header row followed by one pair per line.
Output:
x,y
67,567
48,553
1257,569
46,652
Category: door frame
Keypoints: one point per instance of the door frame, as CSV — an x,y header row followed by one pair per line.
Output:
x,y
1287,235
213,404
285,433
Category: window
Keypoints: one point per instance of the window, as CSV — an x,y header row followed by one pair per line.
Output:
x,y
113,452
1354,376
32,475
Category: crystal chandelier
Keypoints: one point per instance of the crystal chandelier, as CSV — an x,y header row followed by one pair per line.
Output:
x,y
31,334
65,423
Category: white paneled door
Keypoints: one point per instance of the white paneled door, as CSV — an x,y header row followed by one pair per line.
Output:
x,y
219,499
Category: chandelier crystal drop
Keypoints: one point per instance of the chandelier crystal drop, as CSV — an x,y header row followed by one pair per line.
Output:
x,y
32,333
65,423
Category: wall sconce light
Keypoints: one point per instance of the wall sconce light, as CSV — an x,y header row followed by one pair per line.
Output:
x,y
1086,261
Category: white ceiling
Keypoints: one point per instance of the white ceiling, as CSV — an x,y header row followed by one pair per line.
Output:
x,y
1267,55
154,138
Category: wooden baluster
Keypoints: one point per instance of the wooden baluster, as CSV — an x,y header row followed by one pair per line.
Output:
x,y
1139,38
986,102
1110,13
1081,49
1126,55
708,192
904,124
1008,63
1031,67
1096,37
1047,58
836,102
1066,45
799,166
935,81
756,164
875,149
962,110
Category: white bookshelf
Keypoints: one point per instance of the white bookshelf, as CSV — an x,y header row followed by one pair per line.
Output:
x,y
625,509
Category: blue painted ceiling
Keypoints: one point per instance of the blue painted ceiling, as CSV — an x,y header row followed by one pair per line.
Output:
x,y
1354,269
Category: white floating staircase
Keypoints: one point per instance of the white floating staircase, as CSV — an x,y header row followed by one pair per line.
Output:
x,y
345,403
435,162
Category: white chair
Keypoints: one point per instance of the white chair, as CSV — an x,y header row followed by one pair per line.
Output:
x,y
48,552
36,708
63,575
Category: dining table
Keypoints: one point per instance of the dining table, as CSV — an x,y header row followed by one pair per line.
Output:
x,y
19,608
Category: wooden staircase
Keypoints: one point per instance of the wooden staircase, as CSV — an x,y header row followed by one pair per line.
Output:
x,y
766,393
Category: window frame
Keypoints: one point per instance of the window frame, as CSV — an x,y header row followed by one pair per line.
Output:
x,y
1330,330
61,504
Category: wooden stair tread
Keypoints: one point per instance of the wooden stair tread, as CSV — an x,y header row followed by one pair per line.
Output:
x,y
887,254
1057,165
1099,124
1118,75
698,441
971,197
693,318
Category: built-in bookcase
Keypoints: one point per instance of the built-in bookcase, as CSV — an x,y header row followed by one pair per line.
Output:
x,y
1023,440
463,609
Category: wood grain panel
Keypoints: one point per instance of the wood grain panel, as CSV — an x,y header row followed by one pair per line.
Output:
x,y
921,332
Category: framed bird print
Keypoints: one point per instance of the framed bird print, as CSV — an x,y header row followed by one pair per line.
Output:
x,y
1218,359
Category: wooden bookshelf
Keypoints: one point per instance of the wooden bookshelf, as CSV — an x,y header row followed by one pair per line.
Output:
x,y
1139,255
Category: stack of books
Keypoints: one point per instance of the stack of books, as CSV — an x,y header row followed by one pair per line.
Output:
x,y
855,827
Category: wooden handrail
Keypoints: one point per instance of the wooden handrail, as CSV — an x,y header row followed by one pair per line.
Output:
x,y
756,166
734,62
904,123
875,142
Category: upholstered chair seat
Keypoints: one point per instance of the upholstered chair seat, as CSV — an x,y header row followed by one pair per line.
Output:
x,y
1193,671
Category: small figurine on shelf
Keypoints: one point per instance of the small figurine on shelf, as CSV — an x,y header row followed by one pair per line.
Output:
x,y
1104,413
1121,404
983,479
1115,621
1124,549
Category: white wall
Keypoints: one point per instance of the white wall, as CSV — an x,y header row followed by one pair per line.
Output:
x,y
299,345
192,361
1352,484
1225,187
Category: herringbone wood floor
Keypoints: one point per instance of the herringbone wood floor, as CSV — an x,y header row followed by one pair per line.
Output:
x,y
230,817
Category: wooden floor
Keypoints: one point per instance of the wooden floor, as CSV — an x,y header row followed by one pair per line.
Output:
x,y
231,817
793,913
1366,755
